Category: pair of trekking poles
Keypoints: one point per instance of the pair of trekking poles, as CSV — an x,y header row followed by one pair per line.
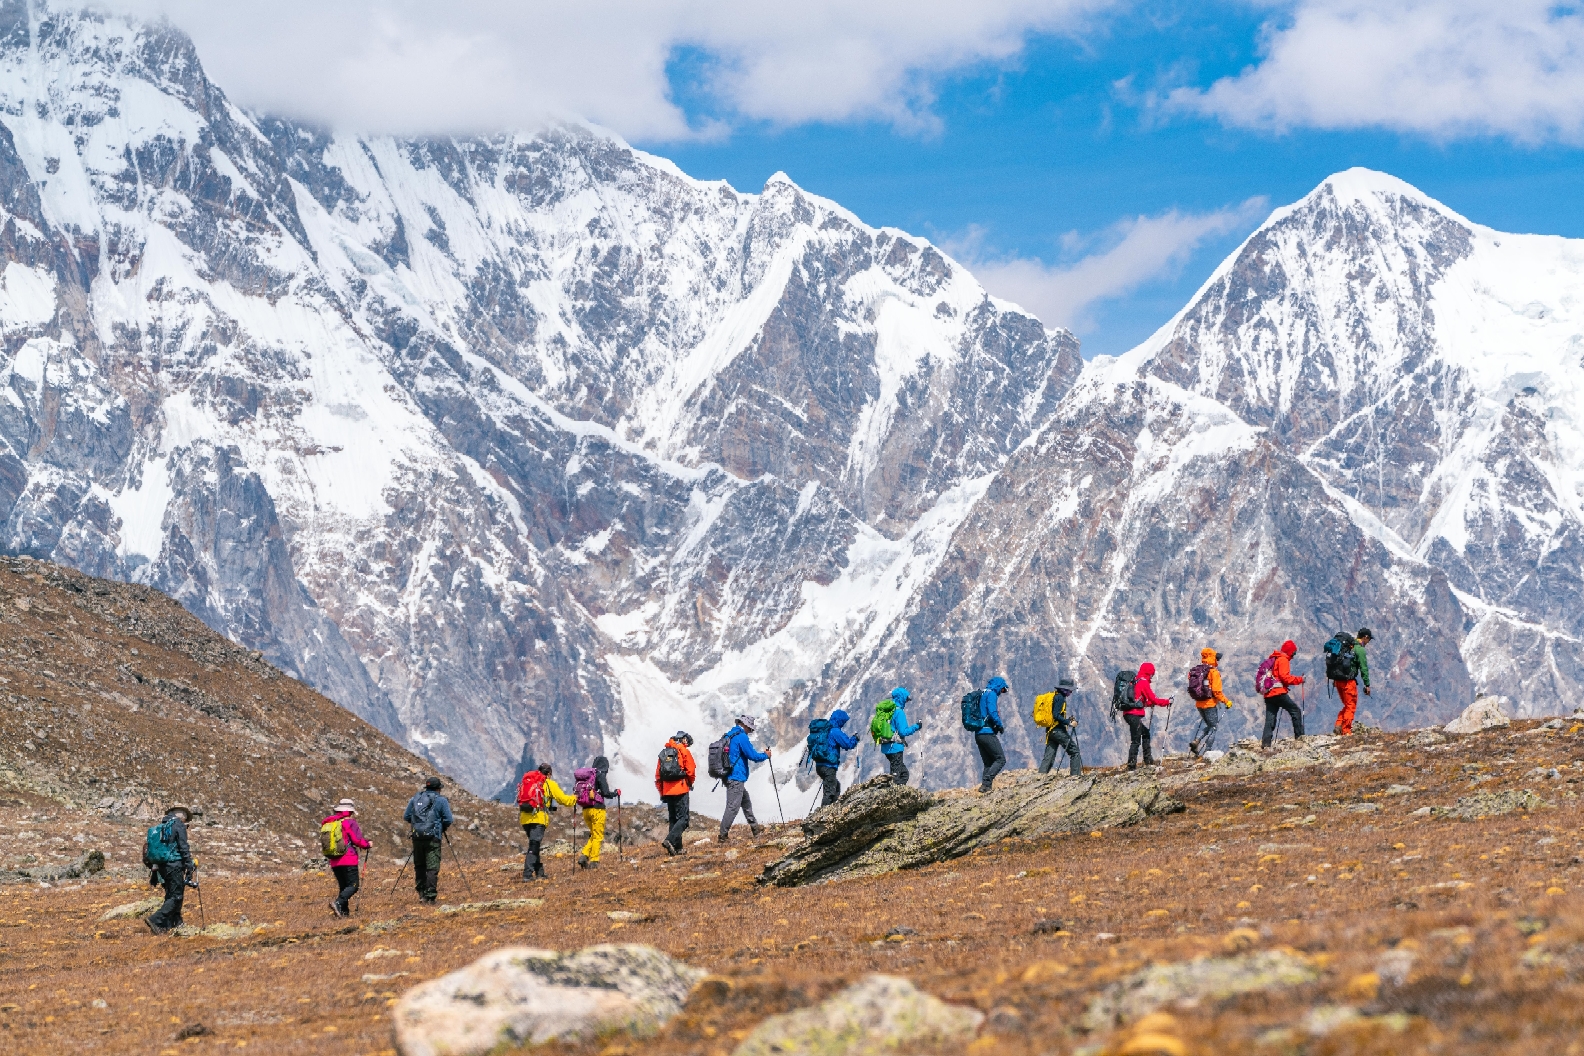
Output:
x,y
461,871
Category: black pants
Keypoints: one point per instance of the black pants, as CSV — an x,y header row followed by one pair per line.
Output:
x,y
827,776
1274,706
1139,729
173,877
899,770
992,755
680,816
347,880
426,866
533,863
1056,739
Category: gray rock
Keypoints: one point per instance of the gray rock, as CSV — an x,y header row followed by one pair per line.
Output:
x,y
133,910
1486,713
879,1015
878,828
86,864
1203,978
522,996
1490,804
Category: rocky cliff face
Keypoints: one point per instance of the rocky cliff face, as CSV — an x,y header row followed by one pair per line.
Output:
x,y
496,439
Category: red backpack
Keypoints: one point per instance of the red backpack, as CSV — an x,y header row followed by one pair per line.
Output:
x,y
532,792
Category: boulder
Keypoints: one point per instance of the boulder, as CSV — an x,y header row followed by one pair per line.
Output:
x,y
1486,713
133,910
1490,804
880,1014
878,828
521,996
1204,978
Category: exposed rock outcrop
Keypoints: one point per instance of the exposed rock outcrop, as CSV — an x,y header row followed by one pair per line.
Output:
x,y
1486,713
878,1015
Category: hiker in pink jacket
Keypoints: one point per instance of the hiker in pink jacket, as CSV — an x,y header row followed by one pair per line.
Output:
x,y
340,832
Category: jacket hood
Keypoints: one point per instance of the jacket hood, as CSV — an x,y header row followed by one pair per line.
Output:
x,y
1290,648
997,685
1146,670
839,718
1207,656
601,763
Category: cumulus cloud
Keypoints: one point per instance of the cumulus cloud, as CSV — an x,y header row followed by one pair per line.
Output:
x,y
1441,67
463,65
1126,256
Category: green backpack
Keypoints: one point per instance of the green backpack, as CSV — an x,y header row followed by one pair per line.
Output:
x,y
880,727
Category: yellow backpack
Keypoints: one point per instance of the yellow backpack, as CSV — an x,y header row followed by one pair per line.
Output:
x,y
332,840
1045,710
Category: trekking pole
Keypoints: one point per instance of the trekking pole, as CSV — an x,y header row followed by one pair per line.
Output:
x,y
621,854
399,873
203,921
458,859
777,789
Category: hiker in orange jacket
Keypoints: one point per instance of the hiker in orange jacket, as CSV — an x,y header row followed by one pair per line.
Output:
x,y
1275,675
675,772
1209,718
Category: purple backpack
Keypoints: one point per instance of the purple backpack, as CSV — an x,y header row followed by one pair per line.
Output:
x,y
1264,680
1199,682
586,795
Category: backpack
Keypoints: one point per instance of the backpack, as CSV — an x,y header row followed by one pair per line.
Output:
x,y
161,844
587,796
1122,691
1199,682
1265,677
973,714
819,743
720,757
881,727
426,815
1340,660
531,794
332,839
1045,710
671,764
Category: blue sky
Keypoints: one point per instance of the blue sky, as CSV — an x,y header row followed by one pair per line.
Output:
x,y
1091,159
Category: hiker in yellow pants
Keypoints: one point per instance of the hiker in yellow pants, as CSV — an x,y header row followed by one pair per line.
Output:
x,y
593,789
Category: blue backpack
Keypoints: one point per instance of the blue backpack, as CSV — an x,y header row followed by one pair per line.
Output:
x,y
819,744
160,847
973,711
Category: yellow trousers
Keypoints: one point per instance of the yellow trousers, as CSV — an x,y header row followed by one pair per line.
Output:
x,y
594,818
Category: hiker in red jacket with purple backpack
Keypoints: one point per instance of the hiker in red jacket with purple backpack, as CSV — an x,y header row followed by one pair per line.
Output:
x,y
592,790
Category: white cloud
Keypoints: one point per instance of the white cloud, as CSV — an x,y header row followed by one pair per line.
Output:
x,y
1126,256
458,65
1441,67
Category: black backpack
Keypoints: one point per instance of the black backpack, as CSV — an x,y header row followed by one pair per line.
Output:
x,y
671,764
973,716
720,756
1341,661
1122,691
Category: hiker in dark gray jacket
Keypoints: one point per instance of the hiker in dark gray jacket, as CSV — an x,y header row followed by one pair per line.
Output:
x,y
168,858
429,814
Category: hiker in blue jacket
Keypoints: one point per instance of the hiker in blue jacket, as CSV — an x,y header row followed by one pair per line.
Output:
x,y
742,753
825,748
890,728
988,739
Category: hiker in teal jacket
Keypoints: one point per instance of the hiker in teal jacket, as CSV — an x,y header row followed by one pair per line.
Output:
x,y
892,744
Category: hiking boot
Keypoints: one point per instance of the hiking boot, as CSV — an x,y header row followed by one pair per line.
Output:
x,y
582,861
335,907
755,829
1193,746
155,928
722,838
1132,766
671,852
592,864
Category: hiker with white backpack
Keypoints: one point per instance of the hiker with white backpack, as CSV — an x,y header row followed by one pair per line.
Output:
x,y
340,839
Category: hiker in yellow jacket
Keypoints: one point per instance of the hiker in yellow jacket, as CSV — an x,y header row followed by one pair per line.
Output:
x,y
1204,686
534,799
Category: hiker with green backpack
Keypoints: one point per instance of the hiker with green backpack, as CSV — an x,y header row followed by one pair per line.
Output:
x,y
168,858
827,739
1060,726
890,729
340,840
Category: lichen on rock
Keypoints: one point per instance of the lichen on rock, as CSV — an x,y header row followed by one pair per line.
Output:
x,y
1160,985
880,1014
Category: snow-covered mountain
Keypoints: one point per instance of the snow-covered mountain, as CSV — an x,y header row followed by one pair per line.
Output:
x,y
534,440
495,440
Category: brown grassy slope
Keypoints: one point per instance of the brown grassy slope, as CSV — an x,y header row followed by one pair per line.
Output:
x,y
1485,913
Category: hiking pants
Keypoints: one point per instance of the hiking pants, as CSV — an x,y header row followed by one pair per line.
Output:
x,y
1347,693
347,880
594,818
737,799
899,770
677,809
992,755
426,866
533,864
173,877
1139,732
1274,706
1057,738
1209,725
832,787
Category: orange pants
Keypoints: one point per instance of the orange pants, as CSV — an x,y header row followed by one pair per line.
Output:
x,y
1347,692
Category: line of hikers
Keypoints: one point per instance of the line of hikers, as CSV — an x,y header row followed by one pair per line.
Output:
x,y
168,856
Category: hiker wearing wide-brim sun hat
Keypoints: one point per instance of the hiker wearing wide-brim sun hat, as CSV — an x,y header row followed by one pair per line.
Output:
x,y
339,841
168,858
